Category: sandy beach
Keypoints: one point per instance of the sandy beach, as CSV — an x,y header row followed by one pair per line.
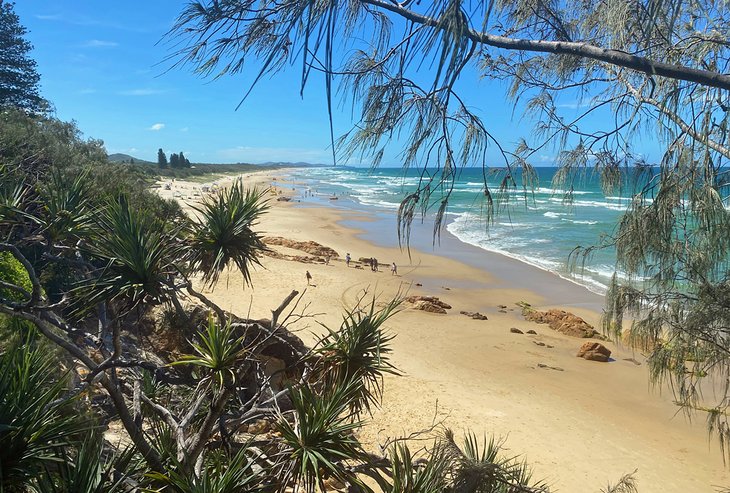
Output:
x,y
580,424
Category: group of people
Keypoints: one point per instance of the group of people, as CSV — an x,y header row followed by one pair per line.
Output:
x,y
348,259
373,264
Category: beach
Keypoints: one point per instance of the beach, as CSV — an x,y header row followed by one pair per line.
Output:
x,y
580,424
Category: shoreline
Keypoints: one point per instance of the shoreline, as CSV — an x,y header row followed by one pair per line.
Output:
x,y
579,427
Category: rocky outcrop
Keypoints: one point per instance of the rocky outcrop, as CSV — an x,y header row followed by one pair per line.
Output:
x,y
594,351
429,304
564,322
474,315
310,247
429,307
304,259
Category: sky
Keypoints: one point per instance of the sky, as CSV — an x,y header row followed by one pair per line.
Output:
x,y
104,65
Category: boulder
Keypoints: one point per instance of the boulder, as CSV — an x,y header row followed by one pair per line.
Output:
x,y
434,300
564,322
310,247
474,315
594,351
427,306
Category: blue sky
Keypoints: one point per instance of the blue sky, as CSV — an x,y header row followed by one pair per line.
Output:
x,y
103,65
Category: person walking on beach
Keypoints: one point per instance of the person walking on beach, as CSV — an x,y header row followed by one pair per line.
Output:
x,y
347,260
393,269
309,278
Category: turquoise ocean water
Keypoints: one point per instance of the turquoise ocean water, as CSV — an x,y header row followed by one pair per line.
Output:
x,y
540,230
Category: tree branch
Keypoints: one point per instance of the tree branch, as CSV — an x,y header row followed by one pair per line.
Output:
x,y
579,49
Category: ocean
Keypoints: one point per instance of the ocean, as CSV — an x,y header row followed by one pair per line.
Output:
x,y
537,228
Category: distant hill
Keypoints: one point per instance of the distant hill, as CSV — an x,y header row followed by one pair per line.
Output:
x,y
126,158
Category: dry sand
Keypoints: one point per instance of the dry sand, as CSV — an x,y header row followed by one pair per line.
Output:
x,y
579,428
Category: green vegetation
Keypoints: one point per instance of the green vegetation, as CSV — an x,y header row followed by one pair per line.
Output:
x,y
601,79
88,274
92,266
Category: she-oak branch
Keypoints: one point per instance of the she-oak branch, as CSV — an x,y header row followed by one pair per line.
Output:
x,y
613,57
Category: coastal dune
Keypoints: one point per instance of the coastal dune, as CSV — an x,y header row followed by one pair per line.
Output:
x,y
580,424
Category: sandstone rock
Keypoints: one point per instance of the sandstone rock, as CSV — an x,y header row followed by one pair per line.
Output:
x,y
564,322
594,351
474,315
532,332
427,306
310,247
539,343
515,330
434,300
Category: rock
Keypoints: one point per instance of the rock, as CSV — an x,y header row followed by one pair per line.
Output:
x,y
474,315
539,343
502,311
549,346
259,427
446,288
532,332
564,322
310,247
283,199
434,300
427,306
419,284
515,330
543,365
594,351
502,306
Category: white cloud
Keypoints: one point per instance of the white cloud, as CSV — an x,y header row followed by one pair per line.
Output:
x,y
140,92
157,126
99,43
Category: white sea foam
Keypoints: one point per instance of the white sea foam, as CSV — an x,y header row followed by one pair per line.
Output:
x,y
555,214
579,221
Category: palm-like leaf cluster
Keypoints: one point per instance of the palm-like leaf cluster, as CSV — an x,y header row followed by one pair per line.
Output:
x,y
66,211
83,469
33,424
412,476
222,474
478,468
319,442
218,353
358,354
137,257
223,233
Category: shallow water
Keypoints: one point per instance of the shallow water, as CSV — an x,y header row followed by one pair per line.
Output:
x,y
537,227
